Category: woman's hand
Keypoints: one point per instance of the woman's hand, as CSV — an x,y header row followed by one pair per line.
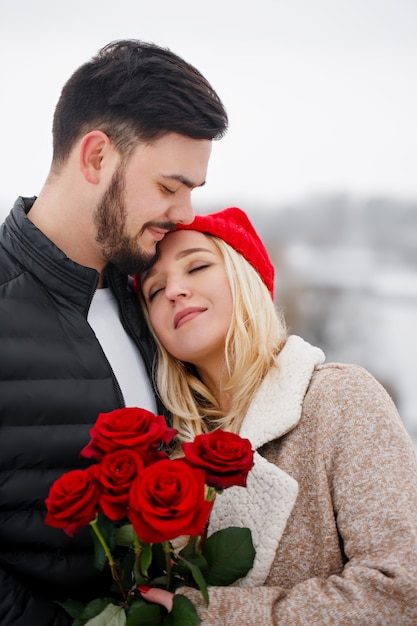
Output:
x,y
157,596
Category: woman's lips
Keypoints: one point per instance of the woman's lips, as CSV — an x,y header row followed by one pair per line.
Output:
x,y
186,315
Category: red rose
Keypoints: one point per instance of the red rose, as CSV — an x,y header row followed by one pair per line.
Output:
x,y
167,500
226,458
72,501
115,475
128,428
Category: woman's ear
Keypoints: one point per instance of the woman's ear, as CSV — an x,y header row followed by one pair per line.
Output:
x,y
94,147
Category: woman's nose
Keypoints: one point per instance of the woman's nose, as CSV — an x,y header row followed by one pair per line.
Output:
x,y
176,290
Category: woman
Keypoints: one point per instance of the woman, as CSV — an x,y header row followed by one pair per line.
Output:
x,y
332,498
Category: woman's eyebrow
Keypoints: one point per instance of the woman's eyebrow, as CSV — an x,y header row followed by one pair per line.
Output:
x,y
188,251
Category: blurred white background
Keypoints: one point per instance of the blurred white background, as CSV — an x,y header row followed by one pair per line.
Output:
x,y
322,95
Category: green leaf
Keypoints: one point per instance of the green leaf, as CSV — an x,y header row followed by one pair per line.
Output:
x,y
158,560
229,554
190,548
183,613
124,535
190,554
146,558
159,581
100,559
142,563
199,579
142,614
72,607
107,529
112,615
94,609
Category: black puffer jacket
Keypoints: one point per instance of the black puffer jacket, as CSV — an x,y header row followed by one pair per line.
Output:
x,y
54,380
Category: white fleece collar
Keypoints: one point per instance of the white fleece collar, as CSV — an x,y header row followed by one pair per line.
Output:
x,y
265,504
277,405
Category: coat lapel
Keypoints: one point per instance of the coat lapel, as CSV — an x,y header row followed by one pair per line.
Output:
x,y
265,504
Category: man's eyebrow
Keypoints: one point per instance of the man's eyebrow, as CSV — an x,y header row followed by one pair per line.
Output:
x,y
183,180
180,255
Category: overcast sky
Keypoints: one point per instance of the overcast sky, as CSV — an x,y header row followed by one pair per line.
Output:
x,y
321,94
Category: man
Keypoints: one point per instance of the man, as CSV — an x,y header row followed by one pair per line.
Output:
x,y
132,136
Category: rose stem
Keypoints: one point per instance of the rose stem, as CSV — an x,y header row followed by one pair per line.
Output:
x,y
109,556
167,550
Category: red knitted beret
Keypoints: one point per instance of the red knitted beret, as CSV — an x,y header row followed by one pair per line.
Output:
x,y
233,226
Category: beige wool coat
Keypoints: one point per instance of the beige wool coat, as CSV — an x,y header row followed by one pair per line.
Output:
x,y
331,503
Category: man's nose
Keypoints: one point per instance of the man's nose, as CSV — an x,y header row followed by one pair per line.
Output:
x,y
182,211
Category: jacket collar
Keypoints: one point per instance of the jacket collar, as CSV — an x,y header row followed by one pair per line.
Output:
x,y
48,263
277,405
266,503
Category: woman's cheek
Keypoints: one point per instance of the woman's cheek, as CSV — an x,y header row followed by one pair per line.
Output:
x,y
154,318
161,324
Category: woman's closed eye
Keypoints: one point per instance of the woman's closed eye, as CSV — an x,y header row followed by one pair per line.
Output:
x,y
202,266
154,291
159,287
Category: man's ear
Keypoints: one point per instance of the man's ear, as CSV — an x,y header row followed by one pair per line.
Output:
x,y
93,147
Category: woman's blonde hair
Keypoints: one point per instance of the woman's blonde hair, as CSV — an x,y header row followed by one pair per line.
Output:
x,y
256,335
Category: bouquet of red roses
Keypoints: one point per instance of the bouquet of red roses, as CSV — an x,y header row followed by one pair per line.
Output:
x,y
138,500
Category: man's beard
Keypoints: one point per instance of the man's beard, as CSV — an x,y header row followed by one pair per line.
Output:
x,y
110,220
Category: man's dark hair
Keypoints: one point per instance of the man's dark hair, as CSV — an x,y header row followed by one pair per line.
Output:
x,y
136,91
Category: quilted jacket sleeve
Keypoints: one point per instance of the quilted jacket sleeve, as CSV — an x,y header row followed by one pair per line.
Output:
x,y
19,607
